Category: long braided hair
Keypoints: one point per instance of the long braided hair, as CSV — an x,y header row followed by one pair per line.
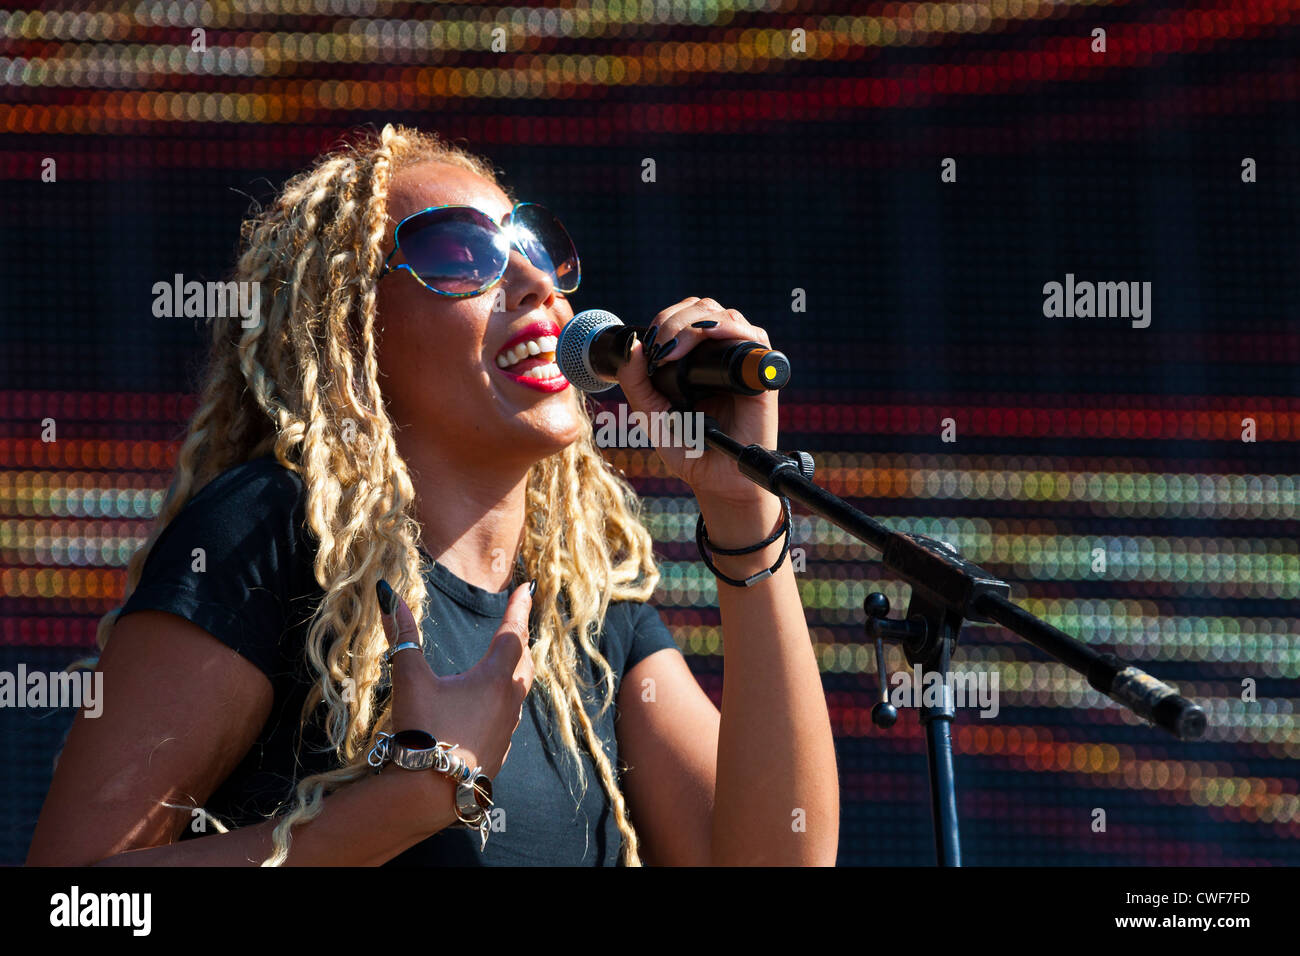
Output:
x,y
302,383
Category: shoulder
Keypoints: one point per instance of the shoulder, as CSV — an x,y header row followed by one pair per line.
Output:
x,y
243,532
234,559
633,631
256,500
261,483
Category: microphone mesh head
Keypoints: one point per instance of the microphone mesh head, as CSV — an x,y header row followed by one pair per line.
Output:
x,y
571,354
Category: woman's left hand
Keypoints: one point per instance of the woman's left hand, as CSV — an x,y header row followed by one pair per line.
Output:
x,y
750,419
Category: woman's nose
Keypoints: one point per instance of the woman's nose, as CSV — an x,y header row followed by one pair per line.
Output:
x,y
524,280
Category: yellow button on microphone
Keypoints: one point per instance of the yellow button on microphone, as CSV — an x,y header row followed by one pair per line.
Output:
x,y
765,369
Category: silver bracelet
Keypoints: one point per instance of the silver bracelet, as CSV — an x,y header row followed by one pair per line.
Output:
x,y
422,751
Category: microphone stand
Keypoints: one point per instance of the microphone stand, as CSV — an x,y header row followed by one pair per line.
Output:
x,y
948,590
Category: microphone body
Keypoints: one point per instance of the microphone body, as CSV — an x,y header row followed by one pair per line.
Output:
x,y
595,344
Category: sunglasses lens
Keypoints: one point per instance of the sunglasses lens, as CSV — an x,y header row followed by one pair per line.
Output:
x,y
455,250
547,245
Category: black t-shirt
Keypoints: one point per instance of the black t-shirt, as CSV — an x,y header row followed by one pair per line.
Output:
x,y
237,561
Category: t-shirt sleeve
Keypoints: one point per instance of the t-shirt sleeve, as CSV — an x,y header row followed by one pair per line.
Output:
x,y
649,634
227,562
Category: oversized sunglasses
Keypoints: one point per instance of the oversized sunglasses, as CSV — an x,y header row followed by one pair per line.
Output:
x,y
460,251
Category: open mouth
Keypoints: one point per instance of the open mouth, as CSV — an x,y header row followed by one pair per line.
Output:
x,y
529,359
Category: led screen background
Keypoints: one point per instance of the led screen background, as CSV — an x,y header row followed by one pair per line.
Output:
x,y
783,161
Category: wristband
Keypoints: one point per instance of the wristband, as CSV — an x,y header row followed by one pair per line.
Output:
x,y
702,539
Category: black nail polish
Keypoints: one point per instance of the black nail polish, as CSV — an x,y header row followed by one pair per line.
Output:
x,y
666,349
650,339
703,324
532,587
387,596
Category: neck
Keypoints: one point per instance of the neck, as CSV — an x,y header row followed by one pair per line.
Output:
x,y
471,515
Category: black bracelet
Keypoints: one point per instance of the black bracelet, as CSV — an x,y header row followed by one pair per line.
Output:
x,y
702,538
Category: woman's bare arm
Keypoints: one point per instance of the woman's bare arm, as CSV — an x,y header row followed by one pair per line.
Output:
x,y
180,711
364,823
756,784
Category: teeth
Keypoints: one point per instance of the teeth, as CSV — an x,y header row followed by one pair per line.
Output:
x,y
549,370
542,346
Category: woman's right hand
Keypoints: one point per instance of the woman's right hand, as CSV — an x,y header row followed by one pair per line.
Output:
x,y
479,709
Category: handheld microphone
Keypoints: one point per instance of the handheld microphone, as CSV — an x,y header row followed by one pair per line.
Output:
x,y
595,344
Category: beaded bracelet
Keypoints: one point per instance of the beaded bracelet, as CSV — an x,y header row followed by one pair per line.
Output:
x,y
702,539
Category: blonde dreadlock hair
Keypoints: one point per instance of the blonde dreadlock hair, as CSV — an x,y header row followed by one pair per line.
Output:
x,y
302,383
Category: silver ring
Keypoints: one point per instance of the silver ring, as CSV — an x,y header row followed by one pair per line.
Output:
x,y
404,646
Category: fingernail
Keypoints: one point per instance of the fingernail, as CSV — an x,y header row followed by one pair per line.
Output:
x,y
665,350
532,587
650,339
387,597
703,324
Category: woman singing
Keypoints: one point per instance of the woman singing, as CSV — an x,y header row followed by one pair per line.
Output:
x,y
390,431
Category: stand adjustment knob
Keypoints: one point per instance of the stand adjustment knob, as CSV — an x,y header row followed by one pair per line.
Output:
x,y
803,461
883,714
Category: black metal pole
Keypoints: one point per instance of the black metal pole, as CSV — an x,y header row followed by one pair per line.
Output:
x,y
942,576
946,590
938,746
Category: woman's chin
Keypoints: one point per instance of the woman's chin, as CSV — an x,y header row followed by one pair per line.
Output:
x,y
553,420
551,430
